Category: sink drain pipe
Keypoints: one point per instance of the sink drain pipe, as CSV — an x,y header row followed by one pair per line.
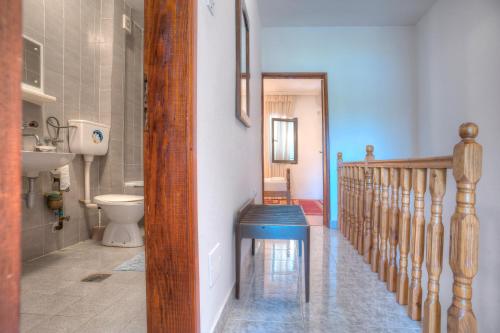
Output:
x,y
30,196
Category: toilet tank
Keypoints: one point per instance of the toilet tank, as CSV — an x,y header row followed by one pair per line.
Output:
x,y
88,137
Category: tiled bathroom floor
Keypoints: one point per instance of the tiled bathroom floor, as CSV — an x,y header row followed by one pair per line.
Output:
x,y
345,295
53,298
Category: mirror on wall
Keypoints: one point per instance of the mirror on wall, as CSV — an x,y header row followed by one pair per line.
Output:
x,y
284,136
32,63
242,63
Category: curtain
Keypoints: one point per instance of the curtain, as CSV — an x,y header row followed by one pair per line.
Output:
x,y
275,107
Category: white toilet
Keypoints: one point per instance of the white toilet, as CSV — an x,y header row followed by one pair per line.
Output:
x,y
124,211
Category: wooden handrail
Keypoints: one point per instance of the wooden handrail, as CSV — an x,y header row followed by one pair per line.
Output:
x,y
437,162
374,215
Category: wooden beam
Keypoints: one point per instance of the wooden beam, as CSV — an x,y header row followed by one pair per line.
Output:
x,y
10,164
170,166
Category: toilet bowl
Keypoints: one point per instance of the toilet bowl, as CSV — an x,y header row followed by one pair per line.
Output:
x,y
124,212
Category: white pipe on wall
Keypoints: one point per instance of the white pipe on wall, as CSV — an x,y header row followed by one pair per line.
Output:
x,y
88,162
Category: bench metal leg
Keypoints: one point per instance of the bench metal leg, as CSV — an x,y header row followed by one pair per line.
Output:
x,y
307,258
253,246
238,262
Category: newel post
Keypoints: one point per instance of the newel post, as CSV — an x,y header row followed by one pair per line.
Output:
x,y
340,217
464,235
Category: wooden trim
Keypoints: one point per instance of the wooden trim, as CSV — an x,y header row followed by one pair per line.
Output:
x,y
172,277
10,164
326,154
295,140
326,134
241,11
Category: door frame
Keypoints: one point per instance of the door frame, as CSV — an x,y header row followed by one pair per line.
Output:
x,y
171,222
10,165
323,76
172,288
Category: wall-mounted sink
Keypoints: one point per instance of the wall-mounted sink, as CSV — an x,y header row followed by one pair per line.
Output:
x,y
36,162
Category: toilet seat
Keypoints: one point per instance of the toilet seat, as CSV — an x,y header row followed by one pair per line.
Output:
x,y
119,199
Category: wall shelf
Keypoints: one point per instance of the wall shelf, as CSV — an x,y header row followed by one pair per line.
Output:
x,y
35,96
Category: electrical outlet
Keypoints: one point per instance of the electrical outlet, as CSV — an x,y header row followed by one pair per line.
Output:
x,y
214,264
211,6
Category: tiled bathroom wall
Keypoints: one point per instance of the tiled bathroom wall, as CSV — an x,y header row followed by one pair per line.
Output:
x,y
133,102
84,68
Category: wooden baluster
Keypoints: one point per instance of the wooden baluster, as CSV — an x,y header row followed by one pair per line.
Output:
x,y
368,198
376,220
464,236
351,196
434,245
353,203
417,231
384,221
392,274
367,237
340,220
355,180
347,203
361,209
404,237
346,193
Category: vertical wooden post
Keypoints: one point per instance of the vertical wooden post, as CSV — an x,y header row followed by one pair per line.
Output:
x,y
170,203
340,220
404,237
417,245
375,257
353,201
346,194
368,200
350,196
384,221
464,236
367,237
361,210
10,164
434,245
289,189
392,273
355,205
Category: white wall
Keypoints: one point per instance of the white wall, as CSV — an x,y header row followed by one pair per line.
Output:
x,y
307,174
229,157
371,80
459,80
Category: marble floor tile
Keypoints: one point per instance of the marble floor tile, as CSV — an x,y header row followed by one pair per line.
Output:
x,y
346,296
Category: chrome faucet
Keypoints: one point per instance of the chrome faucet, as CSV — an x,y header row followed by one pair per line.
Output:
x,y
37,138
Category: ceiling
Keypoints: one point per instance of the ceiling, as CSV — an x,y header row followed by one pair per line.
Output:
x,y
276,13
292,86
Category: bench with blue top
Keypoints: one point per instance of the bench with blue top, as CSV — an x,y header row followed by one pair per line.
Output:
x,y
273,222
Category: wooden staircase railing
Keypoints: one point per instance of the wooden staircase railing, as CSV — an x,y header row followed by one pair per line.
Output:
x,y
374,215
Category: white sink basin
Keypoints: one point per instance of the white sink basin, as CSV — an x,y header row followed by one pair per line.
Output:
x,y
36,162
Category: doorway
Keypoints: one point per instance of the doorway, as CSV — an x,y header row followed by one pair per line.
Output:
x,y
168,138
295,155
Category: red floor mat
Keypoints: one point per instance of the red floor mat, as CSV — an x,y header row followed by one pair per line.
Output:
x,y
311,207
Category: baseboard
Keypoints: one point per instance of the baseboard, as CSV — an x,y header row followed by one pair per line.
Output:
x,y
223,314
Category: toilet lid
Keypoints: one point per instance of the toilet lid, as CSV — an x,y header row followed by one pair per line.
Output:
x,y
118,198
